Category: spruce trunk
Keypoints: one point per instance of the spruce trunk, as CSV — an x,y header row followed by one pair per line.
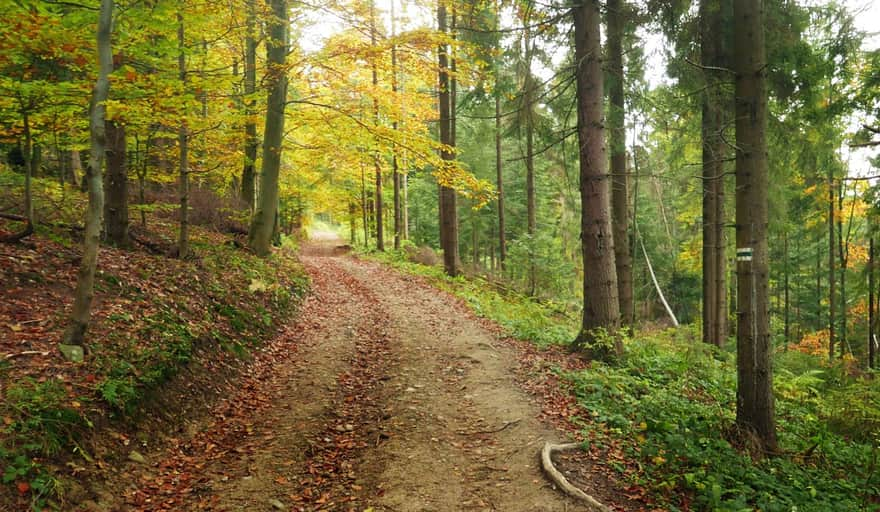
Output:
x,y
601,306
619,185
754,405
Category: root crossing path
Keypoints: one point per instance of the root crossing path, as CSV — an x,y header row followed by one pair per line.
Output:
x,y
392,397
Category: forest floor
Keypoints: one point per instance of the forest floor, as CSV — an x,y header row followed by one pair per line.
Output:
x,y
385,394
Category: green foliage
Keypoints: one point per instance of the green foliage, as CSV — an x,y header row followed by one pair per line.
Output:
x,y
670,403
40,419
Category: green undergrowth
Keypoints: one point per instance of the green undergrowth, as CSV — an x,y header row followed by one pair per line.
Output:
x,y
153,316
669,405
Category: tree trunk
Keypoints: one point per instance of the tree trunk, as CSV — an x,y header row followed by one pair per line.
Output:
x,y
711,128
448,211
786,291
366,219
754,404
75,168
116,186
380,228
871,303
183,146
85,289
248,178
619,186
832,299
30,167
262,225
398,213
499,177
601,305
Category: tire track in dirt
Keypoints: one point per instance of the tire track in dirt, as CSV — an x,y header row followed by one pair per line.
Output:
x,y
389,395
466,437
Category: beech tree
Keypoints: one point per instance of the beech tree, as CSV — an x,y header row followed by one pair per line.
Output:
x,y
263,223
85,283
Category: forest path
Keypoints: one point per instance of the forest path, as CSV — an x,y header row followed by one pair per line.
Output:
x,y
396,399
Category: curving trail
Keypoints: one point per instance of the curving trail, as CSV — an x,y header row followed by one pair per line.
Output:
x,y
390,395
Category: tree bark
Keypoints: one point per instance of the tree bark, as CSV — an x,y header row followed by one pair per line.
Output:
x,y
754,405
248,178
116,187
380,228
85,283
499,179
183,147
619,185
714,265
398,213
871,303
601,305
499,175
448,210
832,298
262,225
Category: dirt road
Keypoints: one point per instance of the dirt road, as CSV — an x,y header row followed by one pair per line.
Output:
x,y
393,397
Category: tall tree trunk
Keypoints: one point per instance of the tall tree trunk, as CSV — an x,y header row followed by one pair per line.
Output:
x,y
871,303
786,291
366,219
263,223
601,305
499,175
183,146
248,178
714,262
398,213
754,404
405,199
380,228
832,298
116,186
619,186
142,179
499,178
819,282
85,282
448,211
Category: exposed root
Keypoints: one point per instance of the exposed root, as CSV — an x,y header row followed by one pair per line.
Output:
x,y
557,478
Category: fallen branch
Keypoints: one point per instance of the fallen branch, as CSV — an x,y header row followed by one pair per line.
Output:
x,y
16,237
559,479
26,353
12,216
